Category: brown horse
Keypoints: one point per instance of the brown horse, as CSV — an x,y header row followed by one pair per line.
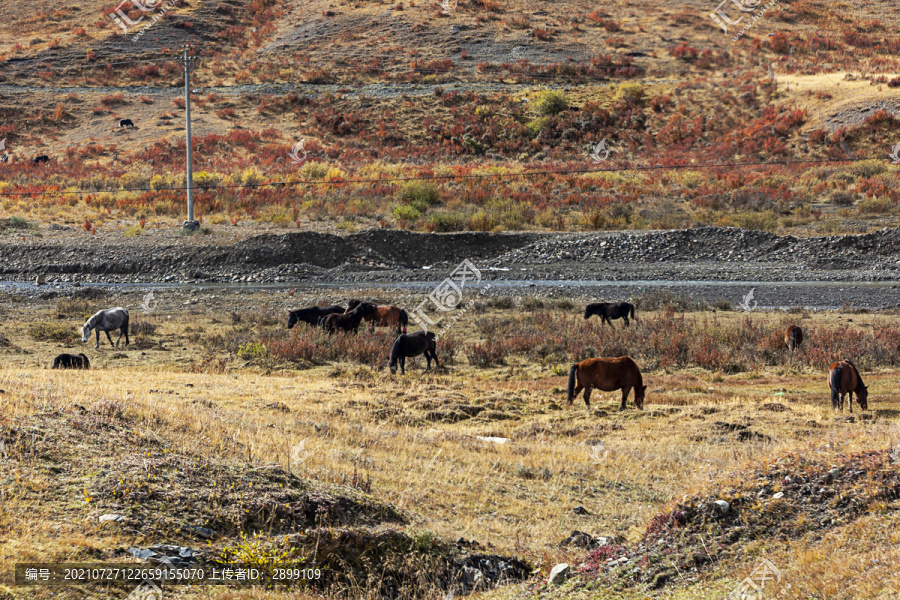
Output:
x,y
348,321
385,316
793,338
607,375
843,378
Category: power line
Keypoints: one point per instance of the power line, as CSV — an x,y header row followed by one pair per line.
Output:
x,y
448,177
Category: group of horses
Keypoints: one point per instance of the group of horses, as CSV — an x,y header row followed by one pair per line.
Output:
x,y
337,318
604,374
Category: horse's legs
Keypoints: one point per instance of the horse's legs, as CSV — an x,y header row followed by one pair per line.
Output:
x,y
125,331
625,392
97,345
587,395
626,321
403,365
850,401
109,337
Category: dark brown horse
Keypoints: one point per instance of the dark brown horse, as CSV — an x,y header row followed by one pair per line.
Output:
x,y
385,316
348,321
413,344
312,315
71,361
843,378
607,375
793,338
610,310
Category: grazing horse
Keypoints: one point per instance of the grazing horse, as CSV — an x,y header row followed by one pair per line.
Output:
x,y
106,321
386,316
610,310
607,375
843,378
43,158
793,338
348,321
312,315
413,344
71,361
123,123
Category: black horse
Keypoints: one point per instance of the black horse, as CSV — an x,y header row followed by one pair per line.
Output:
x,y
71,361
43,158
413,344
348,321
123,123
610,310
312,315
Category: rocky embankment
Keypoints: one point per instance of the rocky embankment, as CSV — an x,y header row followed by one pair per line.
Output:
x,y
684,260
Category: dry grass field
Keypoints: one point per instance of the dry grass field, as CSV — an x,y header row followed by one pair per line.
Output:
x,y
176,430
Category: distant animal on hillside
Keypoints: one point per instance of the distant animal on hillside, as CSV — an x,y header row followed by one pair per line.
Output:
x,y
71,361
844,378
386,316
3,158
610,310
348,321
126,123
413,344
607,375
106,321
312,314
793,338
43,158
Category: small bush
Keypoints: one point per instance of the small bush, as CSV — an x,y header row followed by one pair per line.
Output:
x,y
53,332
549,102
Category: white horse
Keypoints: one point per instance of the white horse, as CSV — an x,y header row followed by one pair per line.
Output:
x,y
106,320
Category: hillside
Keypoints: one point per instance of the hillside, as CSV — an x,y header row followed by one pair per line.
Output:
x,y
498,108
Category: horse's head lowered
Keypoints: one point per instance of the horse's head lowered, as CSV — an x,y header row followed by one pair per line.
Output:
x,y
862,396
86,331
639,391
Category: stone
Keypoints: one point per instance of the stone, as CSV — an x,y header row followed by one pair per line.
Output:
x,y
111,518
204,532
778,495
722,506
559,573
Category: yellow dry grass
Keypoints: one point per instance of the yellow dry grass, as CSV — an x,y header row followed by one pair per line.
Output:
x,y
353,425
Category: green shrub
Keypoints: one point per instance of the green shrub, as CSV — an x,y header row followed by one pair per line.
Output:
x,y
419,195
406,213
549,102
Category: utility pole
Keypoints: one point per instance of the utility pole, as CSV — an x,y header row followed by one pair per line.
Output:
x,y
190,224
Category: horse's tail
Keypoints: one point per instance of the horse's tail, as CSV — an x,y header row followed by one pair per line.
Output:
x,y
834,383
125,324
395,353
571,388
631,308
404,319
